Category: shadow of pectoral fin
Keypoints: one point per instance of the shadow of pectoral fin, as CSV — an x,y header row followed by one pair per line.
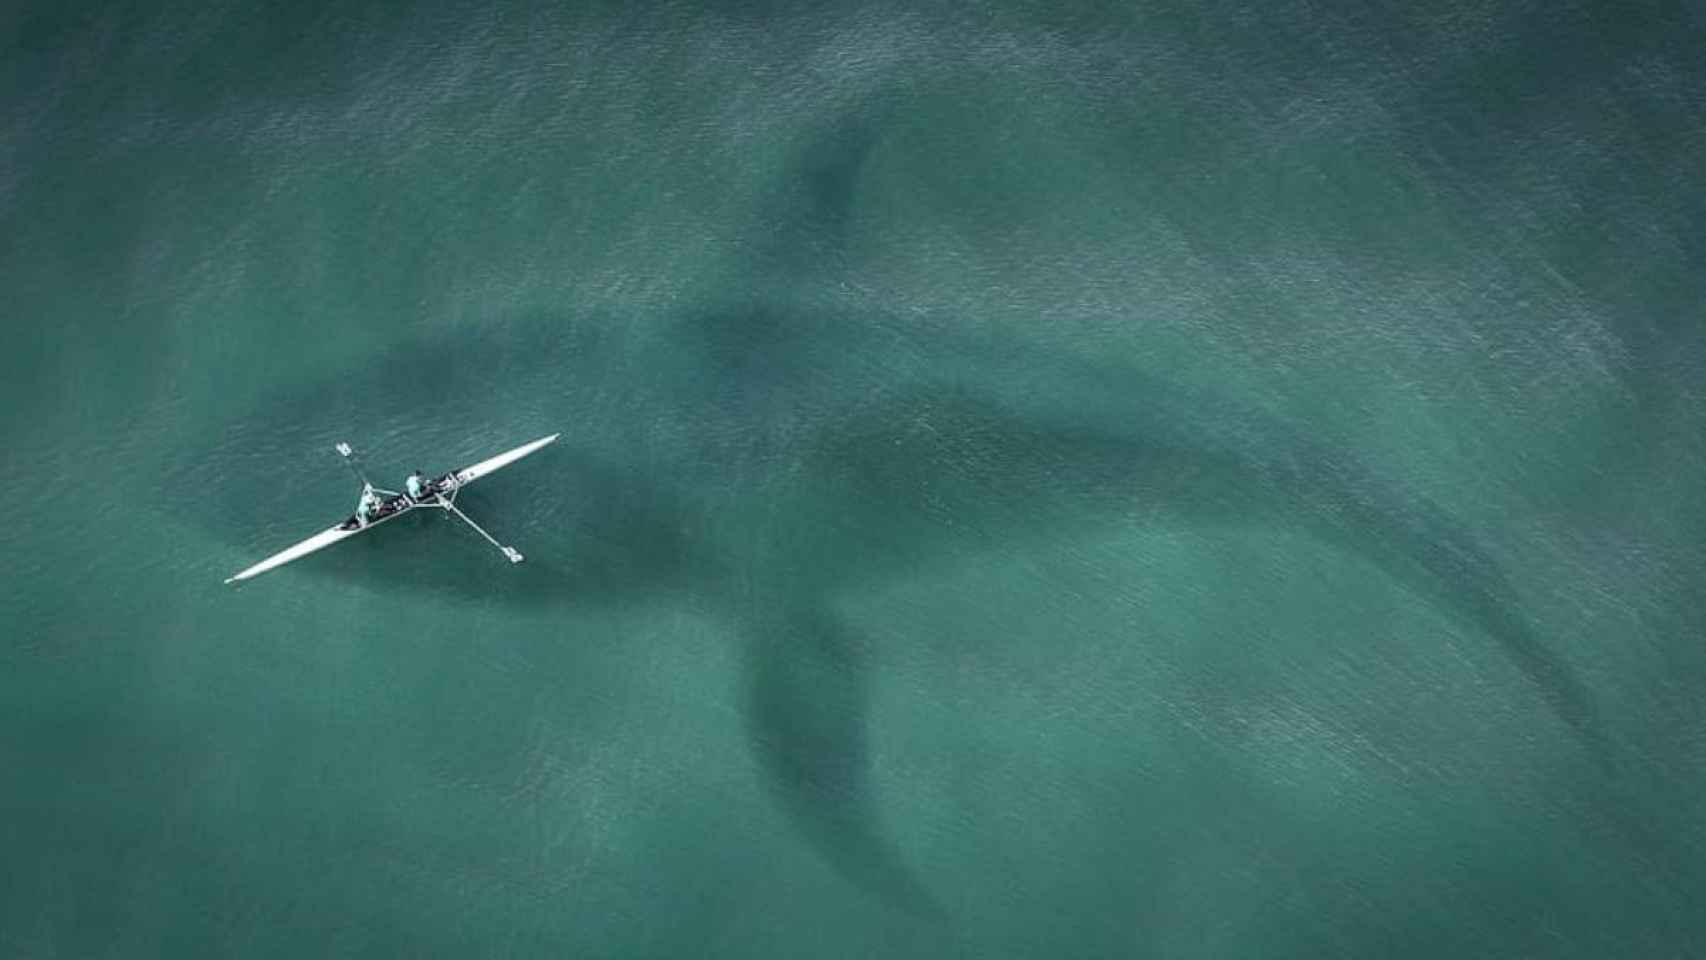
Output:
x,y
808,703
1416,542
1245,465
1207,460
1418,545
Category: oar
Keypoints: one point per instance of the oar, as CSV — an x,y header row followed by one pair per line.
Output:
x,y
513,554
349,458
366,484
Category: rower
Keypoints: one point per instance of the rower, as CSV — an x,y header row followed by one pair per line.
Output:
x,y
414,485
369,504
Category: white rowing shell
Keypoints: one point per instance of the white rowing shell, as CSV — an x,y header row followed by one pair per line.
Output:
x,y
326,538
478,470
318,541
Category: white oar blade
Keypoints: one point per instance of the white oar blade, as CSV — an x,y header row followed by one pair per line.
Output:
x,y
478,470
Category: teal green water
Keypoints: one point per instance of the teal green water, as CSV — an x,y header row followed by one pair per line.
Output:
x,y
1129,480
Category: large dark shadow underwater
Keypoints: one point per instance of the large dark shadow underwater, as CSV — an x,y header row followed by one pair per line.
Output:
x,y
679,443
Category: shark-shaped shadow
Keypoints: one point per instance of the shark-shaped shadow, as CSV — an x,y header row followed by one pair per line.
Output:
x,y
679,447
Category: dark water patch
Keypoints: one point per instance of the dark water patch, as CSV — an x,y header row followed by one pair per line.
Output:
x,y
812,207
